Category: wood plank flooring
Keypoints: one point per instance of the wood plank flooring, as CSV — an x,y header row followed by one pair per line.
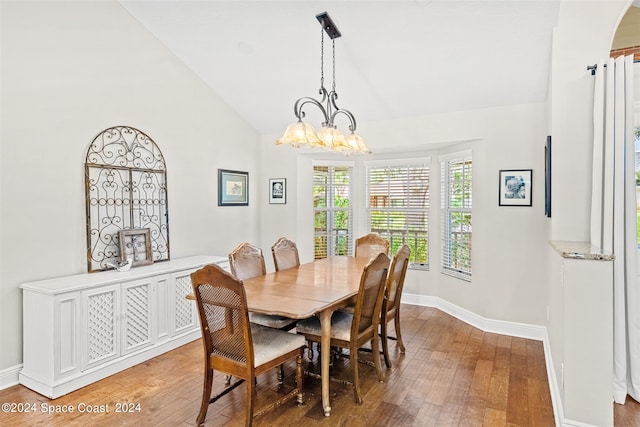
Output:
x,y
451,375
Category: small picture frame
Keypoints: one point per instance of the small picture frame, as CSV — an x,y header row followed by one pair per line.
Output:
x,y
233,188
278,191
515,187
136,245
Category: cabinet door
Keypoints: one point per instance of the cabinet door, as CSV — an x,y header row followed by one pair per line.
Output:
x,y
100,308
162,318
138,312
66,322
184,312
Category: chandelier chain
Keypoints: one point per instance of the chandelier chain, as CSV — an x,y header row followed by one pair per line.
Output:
x,y
321,57
334,65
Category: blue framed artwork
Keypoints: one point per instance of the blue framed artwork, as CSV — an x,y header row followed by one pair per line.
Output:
x,y
515,187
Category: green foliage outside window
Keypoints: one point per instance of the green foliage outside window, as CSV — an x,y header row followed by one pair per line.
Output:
x,y
331,192
399,207
458,217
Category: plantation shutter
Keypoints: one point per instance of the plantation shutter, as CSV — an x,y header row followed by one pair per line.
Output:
x,y
456,216
333,213
398,205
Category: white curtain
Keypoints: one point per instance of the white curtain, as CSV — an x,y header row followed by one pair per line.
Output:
x,y
613,213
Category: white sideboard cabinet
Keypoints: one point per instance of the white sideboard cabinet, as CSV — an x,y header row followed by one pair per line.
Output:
x,y
82,328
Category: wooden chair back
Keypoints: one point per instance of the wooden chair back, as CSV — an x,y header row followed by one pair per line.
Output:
x,y
366,316
391,302
395,279
285,254
224,320
370,245
247,261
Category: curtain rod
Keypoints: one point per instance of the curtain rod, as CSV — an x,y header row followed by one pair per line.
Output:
x,y
594,67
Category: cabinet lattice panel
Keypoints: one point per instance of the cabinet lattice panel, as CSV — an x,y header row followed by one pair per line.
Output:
x,y
138,327
183,315
101,340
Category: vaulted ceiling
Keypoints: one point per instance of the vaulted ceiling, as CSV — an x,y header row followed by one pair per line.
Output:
x,y
395,58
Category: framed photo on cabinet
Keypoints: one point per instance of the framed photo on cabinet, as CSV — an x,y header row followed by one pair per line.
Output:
x,y
136,245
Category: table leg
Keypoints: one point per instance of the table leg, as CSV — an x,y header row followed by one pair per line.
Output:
x,y
325,353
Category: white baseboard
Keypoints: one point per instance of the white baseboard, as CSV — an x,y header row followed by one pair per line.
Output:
x,y
521,330
9,376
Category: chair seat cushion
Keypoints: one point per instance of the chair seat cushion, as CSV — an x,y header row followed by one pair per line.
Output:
x,y
271,321
269,343
340,326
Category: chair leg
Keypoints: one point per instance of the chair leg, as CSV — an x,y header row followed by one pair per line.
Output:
x,y
356,376
299,379
280,375
310,350
385,343
398,332
206,395
251,400
375,346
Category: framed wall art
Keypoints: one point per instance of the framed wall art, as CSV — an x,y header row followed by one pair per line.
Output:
x,y
547,177
515,187
233,188
136,245
278,191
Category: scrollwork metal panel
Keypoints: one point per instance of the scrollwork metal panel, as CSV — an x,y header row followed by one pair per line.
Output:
x,y
126,188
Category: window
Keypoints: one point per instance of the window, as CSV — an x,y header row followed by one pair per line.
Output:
x,y
333,218
456,173
398,206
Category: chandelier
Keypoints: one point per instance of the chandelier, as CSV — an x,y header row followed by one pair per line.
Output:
x,y
301,134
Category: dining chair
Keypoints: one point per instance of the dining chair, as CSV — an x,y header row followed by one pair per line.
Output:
x,y
371,245
285,254
247,261
391,300
353,330
237,347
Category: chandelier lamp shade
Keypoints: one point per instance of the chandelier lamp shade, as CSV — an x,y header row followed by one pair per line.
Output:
x,y
301,134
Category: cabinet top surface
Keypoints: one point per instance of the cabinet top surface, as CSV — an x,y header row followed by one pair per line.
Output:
x,y
84,280
581,250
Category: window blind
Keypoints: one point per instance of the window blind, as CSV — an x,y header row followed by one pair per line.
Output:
x,y
456,207
398,205
333,217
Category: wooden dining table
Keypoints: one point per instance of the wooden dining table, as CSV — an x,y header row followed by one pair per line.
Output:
x,y
316,288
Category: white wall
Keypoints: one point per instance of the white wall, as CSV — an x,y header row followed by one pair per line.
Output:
x,y
69,71
584,35
509,243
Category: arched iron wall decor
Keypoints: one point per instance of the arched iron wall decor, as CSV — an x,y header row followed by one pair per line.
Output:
x,y
126,189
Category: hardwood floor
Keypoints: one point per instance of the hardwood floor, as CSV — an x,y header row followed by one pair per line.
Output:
x,y
451,375
627,415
